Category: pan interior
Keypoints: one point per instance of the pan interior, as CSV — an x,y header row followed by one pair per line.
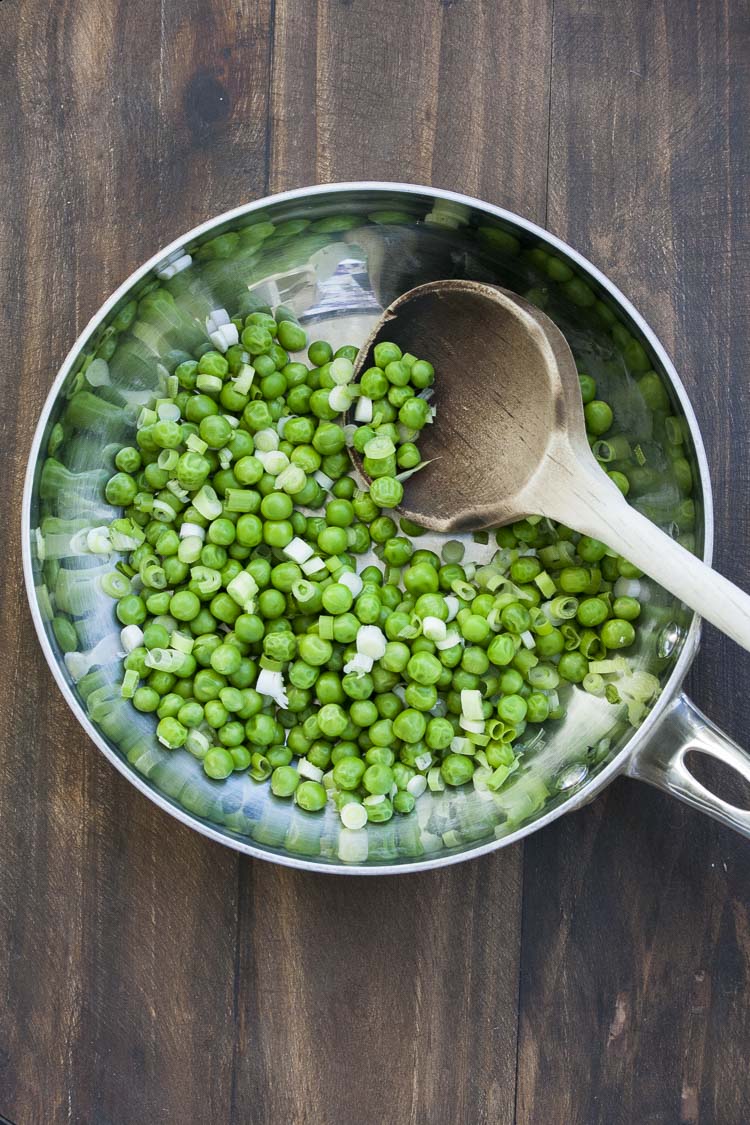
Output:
x,y
336,259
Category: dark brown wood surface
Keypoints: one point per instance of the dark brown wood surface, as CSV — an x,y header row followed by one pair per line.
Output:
x,y
600,973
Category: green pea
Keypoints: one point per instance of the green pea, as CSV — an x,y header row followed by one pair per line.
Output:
x,y
456,769
424,668
379,809
386,492
348,773
319,352
598,416
218,763
592,611
588,388
617,633
626,608
276,506
310,795
131,610
512,709
439,734
378,779
291,336
573,666
120,490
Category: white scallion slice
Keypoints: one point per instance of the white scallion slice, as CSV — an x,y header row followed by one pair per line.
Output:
x,y
177,490
209,384
452,603
471,704
603,667
192,531
352,581
244,379
313,565
230,335
363,410
218,340
452,637
416,786
339,399
207,503
371,641
473,726
323,480
98,541
216,319
168,412
291,480
359,664
164,659
353,815
97,373
434,629
131,637
271,683
197,744
298,550
266,440
435,780
308,770
341,371
196,444
379,447
129,683
243,588
181,642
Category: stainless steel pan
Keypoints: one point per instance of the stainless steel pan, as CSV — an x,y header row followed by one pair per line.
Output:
x,y
336,255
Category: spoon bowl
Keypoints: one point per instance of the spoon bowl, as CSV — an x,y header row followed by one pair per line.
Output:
x,y
509,438
507,398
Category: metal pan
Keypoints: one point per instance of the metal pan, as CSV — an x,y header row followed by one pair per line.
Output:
x,y
336,255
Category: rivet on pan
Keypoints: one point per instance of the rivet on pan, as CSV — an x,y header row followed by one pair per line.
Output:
x,y
668,639
572,775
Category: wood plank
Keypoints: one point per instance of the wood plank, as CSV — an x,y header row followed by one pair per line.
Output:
x,y
393,1000
453,113
636,951
123,124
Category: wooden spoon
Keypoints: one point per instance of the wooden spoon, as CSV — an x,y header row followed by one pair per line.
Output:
x,y
509,438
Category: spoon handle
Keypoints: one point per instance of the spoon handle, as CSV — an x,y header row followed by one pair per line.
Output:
x,y
596,507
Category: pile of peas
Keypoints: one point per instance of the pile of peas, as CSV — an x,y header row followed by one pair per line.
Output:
x,y
244,529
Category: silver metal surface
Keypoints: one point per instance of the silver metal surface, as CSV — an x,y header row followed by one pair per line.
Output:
x,y
685,730
337,254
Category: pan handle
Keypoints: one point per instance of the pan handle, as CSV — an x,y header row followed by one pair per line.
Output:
x,y
661,761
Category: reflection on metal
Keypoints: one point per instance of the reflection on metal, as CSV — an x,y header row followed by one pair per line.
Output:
x,y
572,776
335,256
661,762
668,640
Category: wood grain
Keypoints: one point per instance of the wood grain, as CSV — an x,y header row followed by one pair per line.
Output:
x,y
148,975
418,976
117,925
636,955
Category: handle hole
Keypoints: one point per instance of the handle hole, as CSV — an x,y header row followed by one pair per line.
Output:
x,y
722,780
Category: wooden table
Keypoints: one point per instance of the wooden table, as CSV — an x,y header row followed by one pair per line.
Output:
x,y
599,973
